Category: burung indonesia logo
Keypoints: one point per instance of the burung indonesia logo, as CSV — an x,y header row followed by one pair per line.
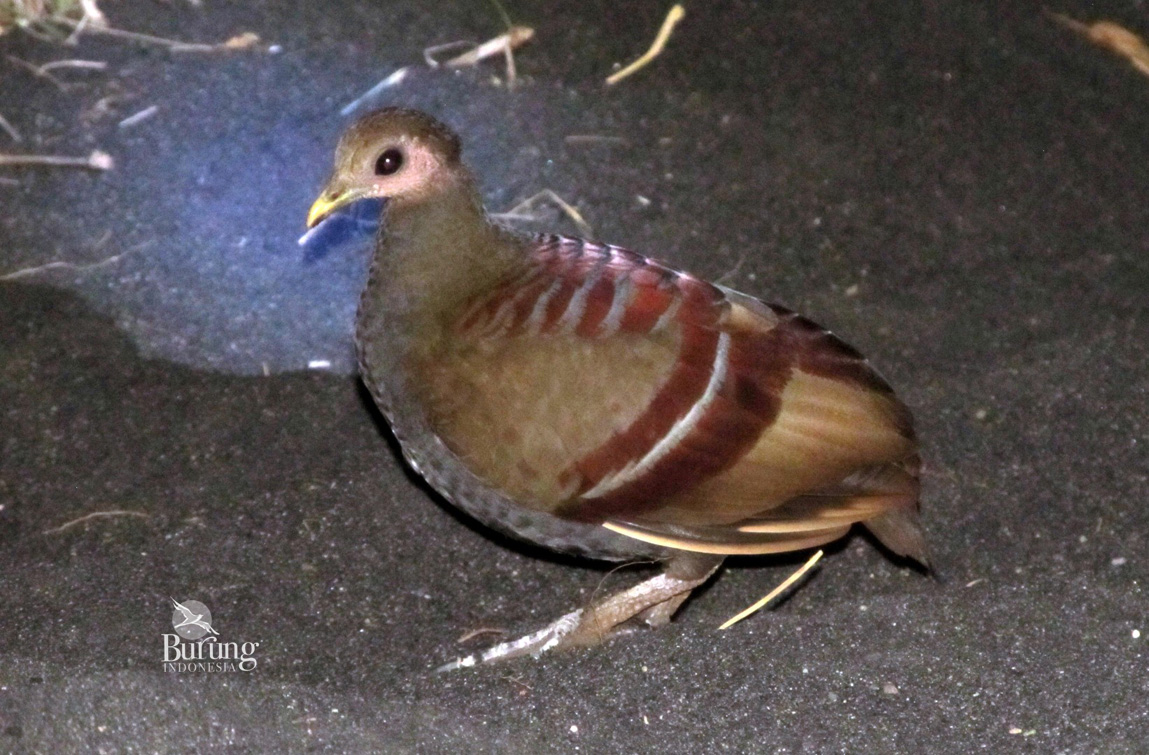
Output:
x,y
195,646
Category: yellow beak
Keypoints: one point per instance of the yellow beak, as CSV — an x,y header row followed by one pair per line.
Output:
x,y
324,206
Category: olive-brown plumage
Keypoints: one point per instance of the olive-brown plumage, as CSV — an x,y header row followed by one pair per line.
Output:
x,y
597,402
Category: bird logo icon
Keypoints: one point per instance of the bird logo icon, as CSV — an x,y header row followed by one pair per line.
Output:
x,y
191,619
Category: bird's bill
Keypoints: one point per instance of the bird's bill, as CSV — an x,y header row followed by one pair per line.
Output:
x,y
328,202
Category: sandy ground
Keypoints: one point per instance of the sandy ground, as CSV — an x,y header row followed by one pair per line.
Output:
x,y
960,192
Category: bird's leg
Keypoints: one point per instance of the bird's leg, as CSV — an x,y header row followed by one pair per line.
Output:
x,y
653,601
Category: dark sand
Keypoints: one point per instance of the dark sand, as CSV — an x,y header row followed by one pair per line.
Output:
x,y
959,192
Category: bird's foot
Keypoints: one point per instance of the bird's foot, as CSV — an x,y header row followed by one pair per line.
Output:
x,y
531,644
652,602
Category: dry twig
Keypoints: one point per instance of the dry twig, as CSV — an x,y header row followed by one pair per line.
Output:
x,y
517,212
514,37
504,44
36,71
135,118
94,515
96,161
242,41
675,15
61,265
479,633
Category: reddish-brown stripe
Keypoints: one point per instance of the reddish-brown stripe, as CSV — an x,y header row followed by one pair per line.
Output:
x,y
819,352
648,274
596,305
684,386
646,306
743,408
480,314
759,365
525,301
477,313
557,305
803,344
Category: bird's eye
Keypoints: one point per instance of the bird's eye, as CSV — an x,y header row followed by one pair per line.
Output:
x,y
389,162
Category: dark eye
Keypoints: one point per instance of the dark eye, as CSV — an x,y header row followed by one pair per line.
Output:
x,y
389,162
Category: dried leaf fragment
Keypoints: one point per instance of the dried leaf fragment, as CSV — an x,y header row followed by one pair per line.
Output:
x,y
241,41
1111,36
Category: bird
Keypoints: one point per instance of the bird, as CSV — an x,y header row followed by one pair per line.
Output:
x,y
191,618
599,403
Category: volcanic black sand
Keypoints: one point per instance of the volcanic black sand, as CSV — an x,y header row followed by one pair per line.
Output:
x,y
962,193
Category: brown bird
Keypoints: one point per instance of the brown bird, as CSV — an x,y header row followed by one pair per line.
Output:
x,y
591,400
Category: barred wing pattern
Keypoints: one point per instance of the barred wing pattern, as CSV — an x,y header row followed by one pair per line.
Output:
x,y
601,386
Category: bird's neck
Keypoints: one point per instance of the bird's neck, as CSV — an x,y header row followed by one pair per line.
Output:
x,y
430,258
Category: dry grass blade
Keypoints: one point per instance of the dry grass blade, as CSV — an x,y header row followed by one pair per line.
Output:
x,y
139,117
595,139
676,14
91,65
10,129
775,592
393,80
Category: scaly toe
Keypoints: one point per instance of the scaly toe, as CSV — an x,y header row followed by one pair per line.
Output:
x,y
533,644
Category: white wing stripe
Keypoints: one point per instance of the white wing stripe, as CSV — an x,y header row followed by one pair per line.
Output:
x,y
577,305
681,429
623,295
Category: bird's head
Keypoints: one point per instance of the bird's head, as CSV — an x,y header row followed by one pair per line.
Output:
x,y
393,154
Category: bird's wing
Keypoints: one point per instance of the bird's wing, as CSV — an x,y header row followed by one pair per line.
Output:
x,y
602,386
187,614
